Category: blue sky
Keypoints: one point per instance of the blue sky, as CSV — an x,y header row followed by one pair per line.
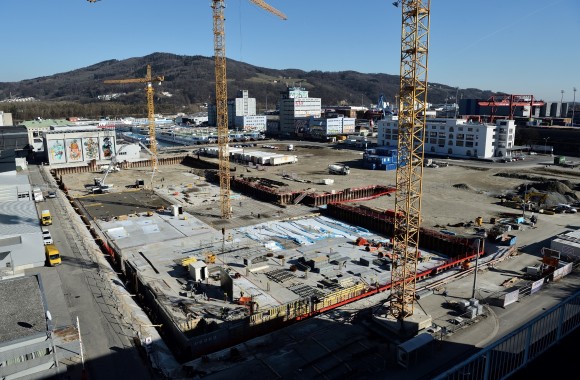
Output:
x,y
515,46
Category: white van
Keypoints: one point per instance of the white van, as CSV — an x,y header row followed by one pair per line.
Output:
x,y
114,168
37,194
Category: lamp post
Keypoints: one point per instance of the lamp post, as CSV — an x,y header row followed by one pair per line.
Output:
x,y
545,144
476,266
573,105
561,102
50,326
524,202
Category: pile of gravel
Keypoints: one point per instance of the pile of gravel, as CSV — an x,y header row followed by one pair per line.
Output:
x,y
463,186
557,191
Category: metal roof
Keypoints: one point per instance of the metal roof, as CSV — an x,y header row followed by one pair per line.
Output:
x,y
15,180
18,218
44,123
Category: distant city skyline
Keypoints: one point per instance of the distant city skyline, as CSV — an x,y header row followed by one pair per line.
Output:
x,y
526,47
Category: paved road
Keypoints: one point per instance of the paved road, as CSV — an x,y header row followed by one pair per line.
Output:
x,y
78,288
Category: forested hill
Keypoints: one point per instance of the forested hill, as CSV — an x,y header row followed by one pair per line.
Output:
x,y
190,81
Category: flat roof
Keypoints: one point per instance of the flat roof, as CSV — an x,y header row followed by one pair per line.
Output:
x,y
155,246
22,313
416,342
18,217
15,180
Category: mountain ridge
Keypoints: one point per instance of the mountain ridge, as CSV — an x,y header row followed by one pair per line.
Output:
x,y
190,82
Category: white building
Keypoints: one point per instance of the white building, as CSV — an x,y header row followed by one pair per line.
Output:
x,y
456,137
242,105
322,129
295,104
66,145
255,123
5,119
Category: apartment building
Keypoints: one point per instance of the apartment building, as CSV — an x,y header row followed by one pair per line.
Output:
x,y
457,137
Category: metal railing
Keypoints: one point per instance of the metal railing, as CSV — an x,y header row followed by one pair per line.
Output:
x,y
514,351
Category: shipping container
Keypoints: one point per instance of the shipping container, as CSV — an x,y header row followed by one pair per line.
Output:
x,y
280,160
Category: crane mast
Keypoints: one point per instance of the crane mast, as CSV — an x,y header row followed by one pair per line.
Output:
x,y
221,98
411,134
150,110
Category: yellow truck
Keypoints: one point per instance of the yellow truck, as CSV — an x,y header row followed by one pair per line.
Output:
x,y
52,255
45,218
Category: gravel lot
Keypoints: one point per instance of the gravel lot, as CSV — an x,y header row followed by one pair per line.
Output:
x,y
458,193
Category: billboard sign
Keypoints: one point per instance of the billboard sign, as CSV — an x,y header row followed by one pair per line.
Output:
x,y
56,150
74,151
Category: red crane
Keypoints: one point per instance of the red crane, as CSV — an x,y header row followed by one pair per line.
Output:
x,y
511,101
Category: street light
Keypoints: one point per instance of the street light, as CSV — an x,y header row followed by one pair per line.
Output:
x,y
545,143
524,201
476,266
573,105
561,103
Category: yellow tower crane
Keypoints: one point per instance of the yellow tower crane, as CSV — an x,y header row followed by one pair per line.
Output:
x,y
221,98
411,136
150,111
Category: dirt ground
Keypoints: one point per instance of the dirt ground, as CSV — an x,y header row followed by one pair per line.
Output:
x,y
458,193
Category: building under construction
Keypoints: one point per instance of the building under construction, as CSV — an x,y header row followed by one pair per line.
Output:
x,y
212,283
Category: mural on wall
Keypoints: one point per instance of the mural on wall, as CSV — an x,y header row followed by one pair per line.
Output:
x,y
74,152
91,148
107,147
56,151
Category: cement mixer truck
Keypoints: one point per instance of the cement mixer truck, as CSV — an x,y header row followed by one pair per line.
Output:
x,y
338,169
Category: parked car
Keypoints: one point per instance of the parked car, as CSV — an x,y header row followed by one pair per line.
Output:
x,y
47,237
51,194
564,208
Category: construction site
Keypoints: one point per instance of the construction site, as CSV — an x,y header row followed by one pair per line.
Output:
x,y
221,248
294,247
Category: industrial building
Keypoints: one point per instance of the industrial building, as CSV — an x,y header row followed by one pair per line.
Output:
x,y
253,123
456,137
241,113
296,108
192,120
544,113
324,129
